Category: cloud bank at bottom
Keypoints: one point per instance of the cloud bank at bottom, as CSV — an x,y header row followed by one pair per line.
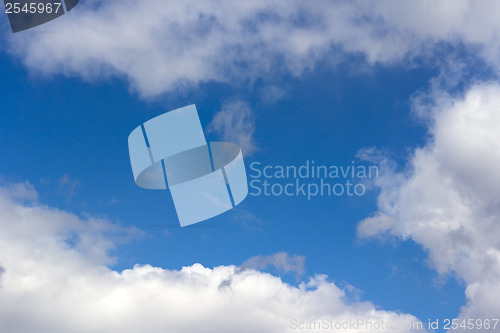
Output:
x,y
54,278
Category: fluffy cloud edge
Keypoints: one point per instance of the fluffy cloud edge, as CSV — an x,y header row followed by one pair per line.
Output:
x,y
447,198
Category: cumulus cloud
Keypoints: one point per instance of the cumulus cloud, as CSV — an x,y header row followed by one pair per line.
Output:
x,y
448,200
50,279
162,46
235,122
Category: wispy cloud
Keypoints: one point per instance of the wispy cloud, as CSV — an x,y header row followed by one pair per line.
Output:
x,y
282,262
235,122
19,191
272,93
67,186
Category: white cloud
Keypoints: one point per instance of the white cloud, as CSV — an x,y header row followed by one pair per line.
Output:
x,y
161,45
235,122
52,284
449,198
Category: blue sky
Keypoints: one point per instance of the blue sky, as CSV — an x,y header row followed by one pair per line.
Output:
x,y
64,131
